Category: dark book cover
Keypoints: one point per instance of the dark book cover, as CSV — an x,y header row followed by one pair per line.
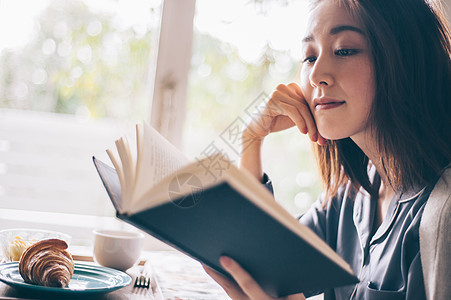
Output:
x,y
220,221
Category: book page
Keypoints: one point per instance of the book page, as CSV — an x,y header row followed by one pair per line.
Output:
x,y
157,159
128,162
184,181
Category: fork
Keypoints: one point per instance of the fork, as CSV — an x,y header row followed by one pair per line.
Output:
x,y
142,282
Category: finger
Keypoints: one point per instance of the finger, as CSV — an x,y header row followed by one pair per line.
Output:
x,y
244,280
229,287
295,297
293,113
282,122
321,141
288,90
296,89
300,94
309,121
276,104
305,119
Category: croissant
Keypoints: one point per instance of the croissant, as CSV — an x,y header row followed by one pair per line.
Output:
x,y
47,263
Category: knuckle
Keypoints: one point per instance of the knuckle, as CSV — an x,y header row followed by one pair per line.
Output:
x,y
293,110
292,85
280,87
276,94
228,286
277,106
298,108
303,106
246,284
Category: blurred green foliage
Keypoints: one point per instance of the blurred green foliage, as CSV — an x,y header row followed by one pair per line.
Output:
x,y
79,61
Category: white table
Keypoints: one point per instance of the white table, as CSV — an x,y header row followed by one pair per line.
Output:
x,y
176,275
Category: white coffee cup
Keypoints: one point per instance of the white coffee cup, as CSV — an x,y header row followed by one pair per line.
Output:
x,y
118,249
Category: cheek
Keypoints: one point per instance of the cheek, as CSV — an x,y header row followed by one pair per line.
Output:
x,y
361,84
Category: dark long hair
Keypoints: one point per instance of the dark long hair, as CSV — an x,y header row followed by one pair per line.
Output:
x,y
411,116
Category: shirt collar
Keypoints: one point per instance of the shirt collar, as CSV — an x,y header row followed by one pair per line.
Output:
x,y
410,195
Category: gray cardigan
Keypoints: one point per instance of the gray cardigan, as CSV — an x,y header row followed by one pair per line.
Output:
x,y
435,240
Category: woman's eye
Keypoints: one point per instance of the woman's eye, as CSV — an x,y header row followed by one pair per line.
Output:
x,y
310,59
346,52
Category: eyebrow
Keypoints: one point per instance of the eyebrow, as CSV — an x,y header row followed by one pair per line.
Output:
x,y
336,30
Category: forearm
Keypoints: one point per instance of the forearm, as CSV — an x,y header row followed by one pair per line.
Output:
x,y
251,155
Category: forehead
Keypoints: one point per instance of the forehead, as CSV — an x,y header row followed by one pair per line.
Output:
x,y
328,14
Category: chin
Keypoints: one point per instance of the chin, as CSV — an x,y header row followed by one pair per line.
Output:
x,y
333,133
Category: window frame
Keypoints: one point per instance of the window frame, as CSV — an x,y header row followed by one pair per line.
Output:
x,y
170,86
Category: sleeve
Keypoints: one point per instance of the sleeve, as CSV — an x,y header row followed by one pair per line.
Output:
x,y
316,218
324,215
267,183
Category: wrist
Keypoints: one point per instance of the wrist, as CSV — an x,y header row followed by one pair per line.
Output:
x,y
249,135
250,143
251,154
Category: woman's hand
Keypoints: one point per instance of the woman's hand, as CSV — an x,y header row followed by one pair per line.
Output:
x,y
247,288
284,109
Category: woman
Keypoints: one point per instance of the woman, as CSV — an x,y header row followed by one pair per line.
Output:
x,y
374,95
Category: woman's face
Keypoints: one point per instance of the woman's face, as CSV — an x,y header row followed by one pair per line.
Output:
x,y
337,76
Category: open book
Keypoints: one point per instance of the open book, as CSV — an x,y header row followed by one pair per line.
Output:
x,y
208,208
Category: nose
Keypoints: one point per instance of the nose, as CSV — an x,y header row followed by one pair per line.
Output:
x,y
321,73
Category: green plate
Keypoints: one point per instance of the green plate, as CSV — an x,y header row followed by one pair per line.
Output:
x,y
87,279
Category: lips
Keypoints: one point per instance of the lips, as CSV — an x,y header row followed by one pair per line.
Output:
x,y
325,103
